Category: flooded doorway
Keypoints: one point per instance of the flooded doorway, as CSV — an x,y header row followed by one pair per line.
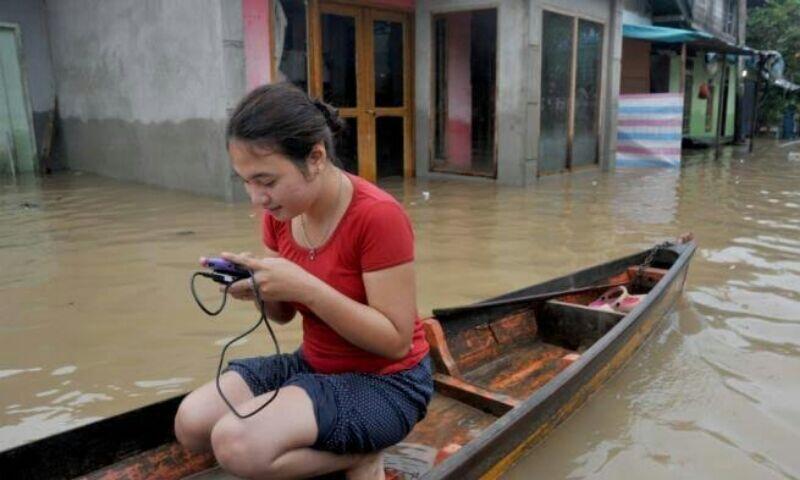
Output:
x,y
465,84
360,62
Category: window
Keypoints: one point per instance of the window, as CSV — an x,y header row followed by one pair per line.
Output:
x,y
289,40
730,17
570,89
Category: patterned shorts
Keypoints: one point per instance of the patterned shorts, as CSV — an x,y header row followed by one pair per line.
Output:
x,y
355,412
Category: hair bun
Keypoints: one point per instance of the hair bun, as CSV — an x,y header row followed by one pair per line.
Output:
x,y
332,118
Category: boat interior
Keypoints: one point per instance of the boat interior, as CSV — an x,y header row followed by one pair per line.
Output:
x,y
489,360
486,367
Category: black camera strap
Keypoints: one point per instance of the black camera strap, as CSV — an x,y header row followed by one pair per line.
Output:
x,y
219,278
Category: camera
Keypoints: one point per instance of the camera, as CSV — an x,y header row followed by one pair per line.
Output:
x,y
225,271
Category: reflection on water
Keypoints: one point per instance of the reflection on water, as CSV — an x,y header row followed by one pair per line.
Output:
x,y
97,317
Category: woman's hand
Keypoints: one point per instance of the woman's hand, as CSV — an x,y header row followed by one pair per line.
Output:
x,y
240,290
277,279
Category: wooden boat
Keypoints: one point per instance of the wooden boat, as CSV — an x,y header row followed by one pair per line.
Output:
x,y
508,370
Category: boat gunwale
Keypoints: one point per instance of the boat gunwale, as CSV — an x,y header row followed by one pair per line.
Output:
x,y
505,424
465,455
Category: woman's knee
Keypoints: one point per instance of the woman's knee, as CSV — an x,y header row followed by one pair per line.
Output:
x,y
202,408
236,450
193,423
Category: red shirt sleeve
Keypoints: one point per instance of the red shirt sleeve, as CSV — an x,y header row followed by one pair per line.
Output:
x,y
270,235
387,237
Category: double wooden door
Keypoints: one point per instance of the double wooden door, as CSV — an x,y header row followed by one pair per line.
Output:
x,y
360,62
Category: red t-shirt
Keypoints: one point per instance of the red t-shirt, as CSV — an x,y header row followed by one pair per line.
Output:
x,y
374,233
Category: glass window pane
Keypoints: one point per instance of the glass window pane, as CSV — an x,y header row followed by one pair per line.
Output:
x,y
388,44
465,53
483,46
587,93
339,60
289,34
555,86
347,146
389,146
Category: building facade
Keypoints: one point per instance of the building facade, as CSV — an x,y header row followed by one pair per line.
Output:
x,y
500,90
705,67
453,88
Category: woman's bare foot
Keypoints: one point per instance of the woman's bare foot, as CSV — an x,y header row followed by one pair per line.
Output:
x,y
370,467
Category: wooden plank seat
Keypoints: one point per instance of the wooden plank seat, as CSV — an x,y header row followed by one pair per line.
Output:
x,y
521,370
429,443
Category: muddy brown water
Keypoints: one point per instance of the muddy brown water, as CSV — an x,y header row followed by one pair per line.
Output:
x,y
96,316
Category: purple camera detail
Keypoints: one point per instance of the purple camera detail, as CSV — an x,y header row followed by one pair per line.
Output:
x,y
220,265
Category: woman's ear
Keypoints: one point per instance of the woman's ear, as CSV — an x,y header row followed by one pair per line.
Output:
x,y
316,160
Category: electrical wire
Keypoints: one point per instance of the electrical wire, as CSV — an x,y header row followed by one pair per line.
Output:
x,y
263,319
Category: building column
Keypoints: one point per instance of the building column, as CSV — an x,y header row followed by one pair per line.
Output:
x,y
608,140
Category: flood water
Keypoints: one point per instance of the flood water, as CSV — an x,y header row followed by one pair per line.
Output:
x,y
97,319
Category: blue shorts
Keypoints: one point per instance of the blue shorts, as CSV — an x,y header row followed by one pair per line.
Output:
x,y
355,412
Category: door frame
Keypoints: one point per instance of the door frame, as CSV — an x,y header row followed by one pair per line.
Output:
x,y
366,113
17,32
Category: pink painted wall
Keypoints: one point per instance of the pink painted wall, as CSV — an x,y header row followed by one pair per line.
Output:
x,y
255,14
459,90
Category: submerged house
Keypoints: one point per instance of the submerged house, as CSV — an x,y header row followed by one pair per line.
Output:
x,y
504,90
693,48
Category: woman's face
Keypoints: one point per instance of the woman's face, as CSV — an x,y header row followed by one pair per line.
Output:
x,y
273,181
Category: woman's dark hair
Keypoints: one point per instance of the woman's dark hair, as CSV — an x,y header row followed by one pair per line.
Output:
x,y
282,117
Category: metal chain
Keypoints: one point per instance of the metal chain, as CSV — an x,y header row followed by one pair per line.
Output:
x,y
648,260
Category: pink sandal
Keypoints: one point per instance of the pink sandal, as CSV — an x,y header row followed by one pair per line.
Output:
x,y
617,300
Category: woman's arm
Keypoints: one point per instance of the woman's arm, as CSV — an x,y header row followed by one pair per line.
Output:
x,y
384,326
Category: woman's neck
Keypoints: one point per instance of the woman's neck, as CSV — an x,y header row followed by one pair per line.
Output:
x,y
333,191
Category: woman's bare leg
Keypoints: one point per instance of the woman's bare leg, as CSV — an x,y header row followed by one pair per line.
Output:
x,y
202,409
274,443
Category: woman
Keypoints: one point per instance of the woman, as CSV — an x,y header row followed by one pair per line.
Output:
x,y
340,252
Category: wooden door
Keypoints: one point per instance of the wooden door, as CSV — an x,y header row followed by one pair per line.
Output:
x,y
361,64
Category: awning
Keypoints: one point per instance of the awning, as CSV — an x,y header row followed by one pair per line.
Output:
x,y
662,34
697,38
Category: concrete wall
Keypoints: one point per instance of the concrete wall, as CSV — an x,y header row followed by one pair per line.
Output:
x,y
637,12
518,74
31,18
459,91
144,88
